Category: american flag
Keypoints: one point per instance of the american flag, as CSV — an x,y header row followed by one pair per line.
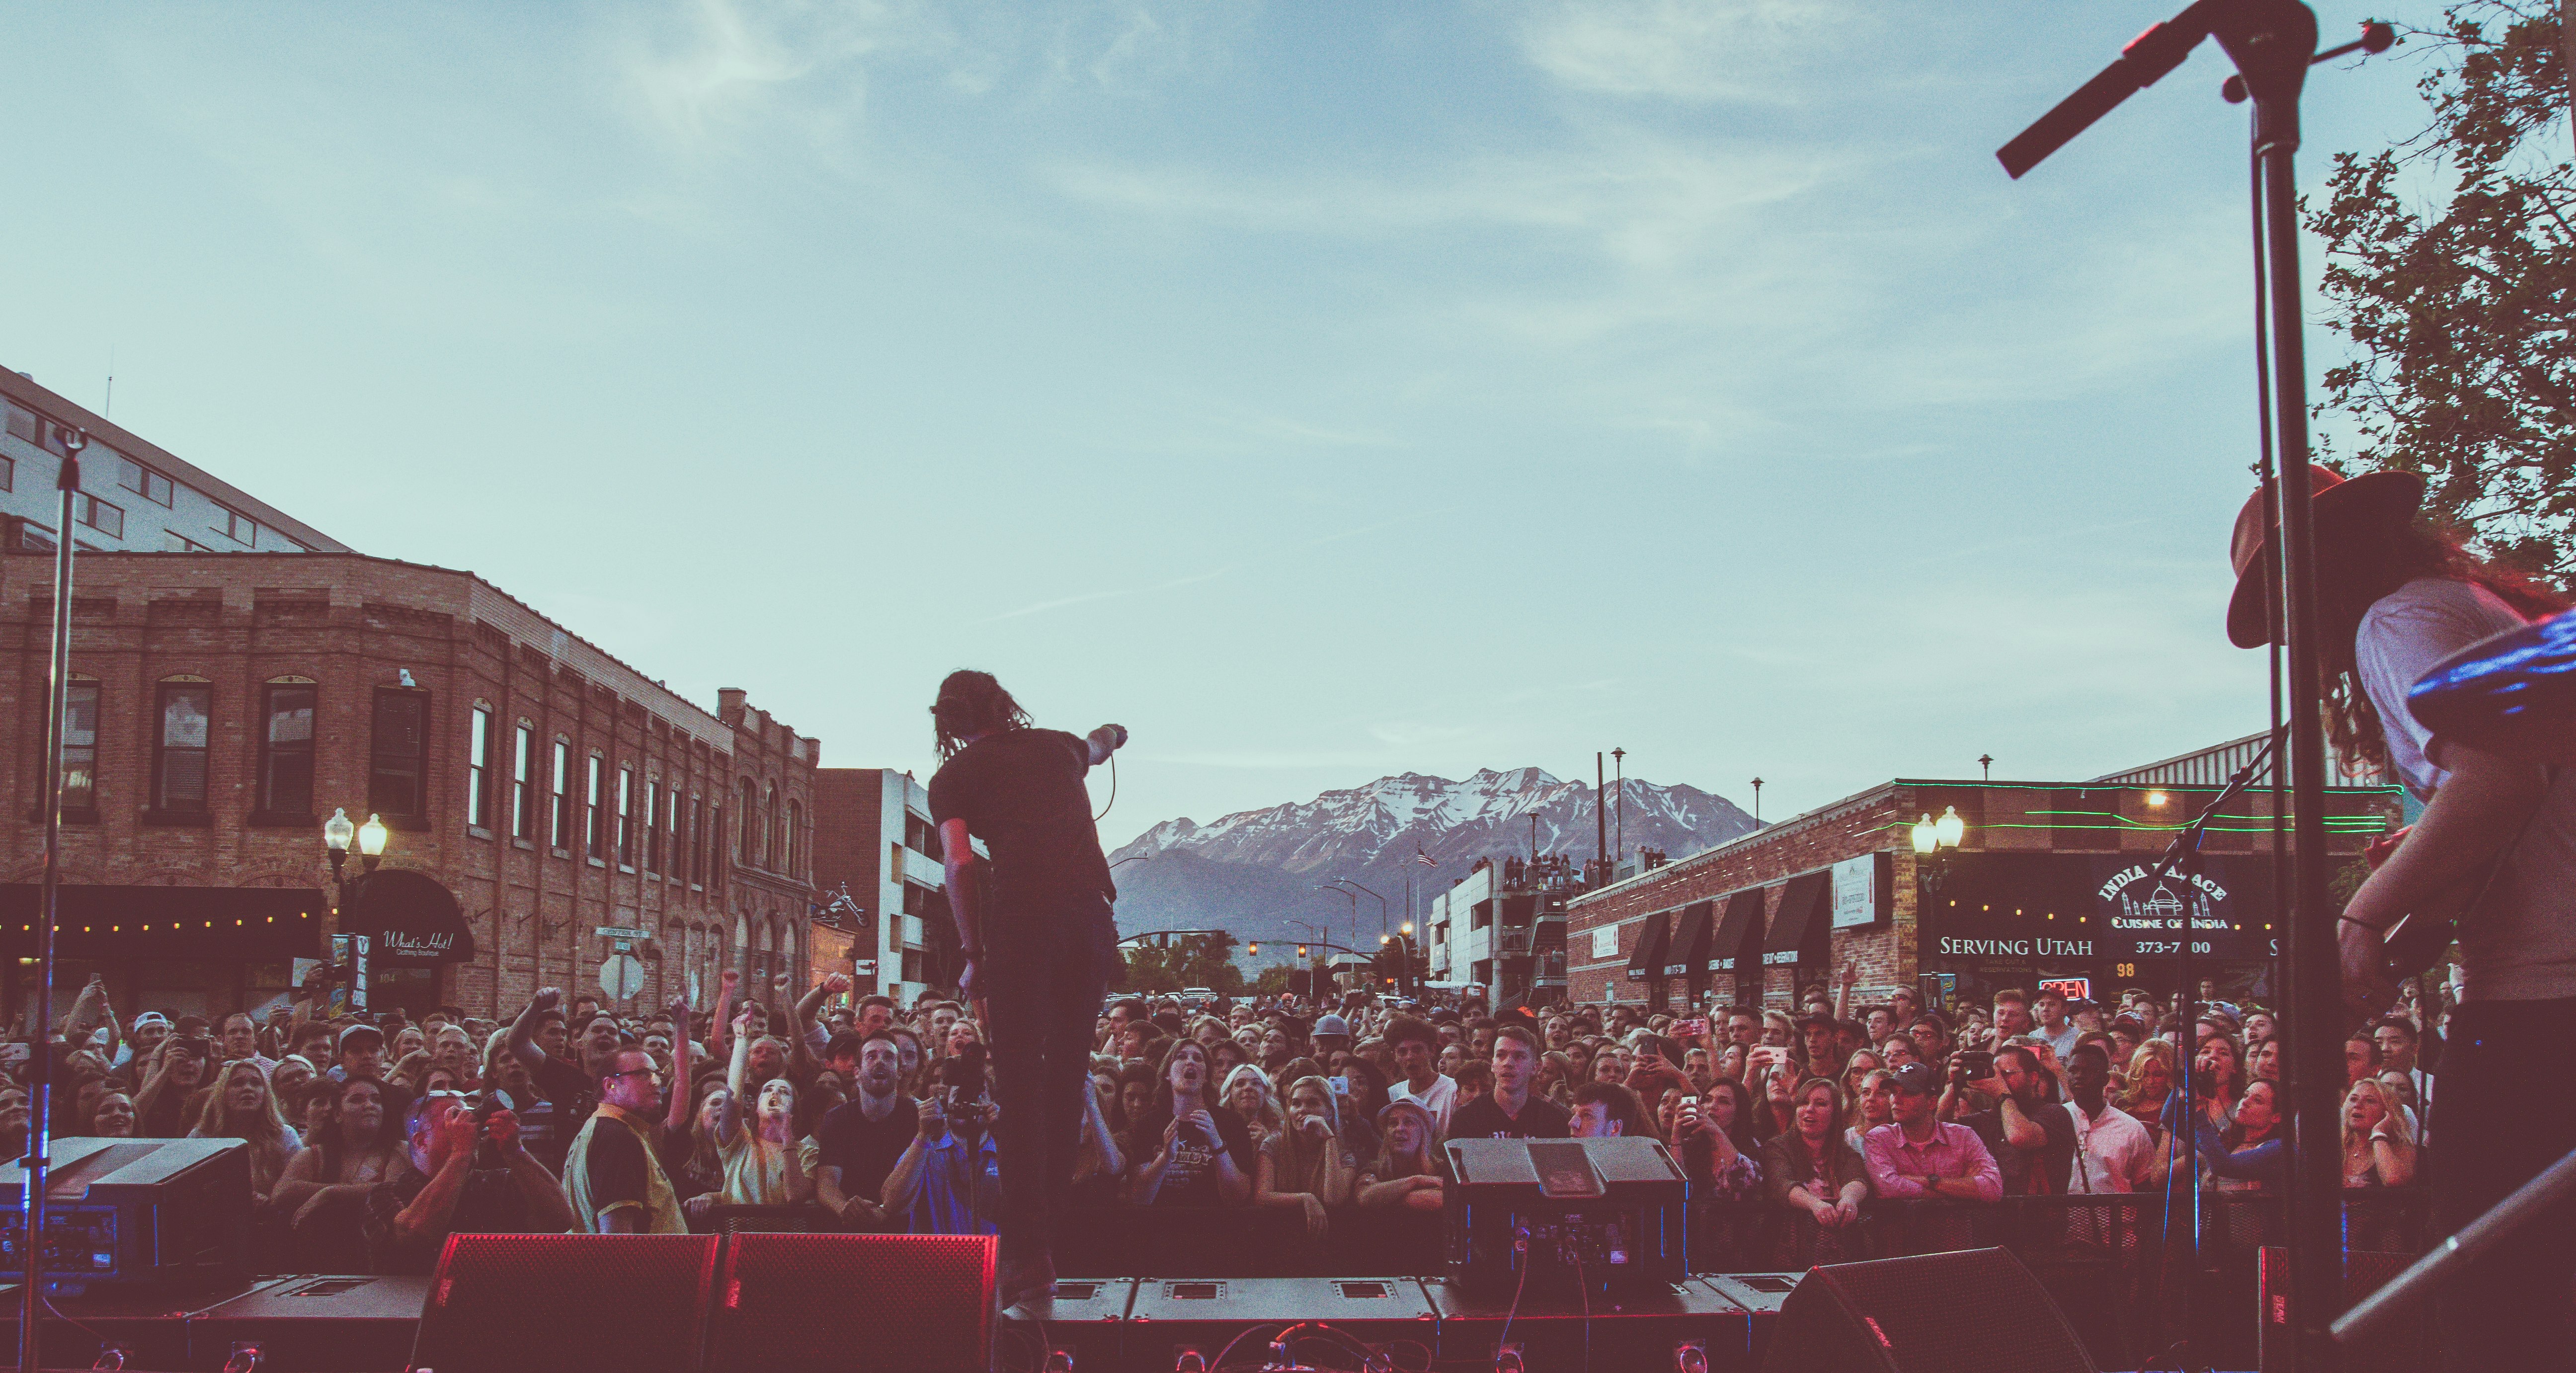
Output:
x,y
1423,858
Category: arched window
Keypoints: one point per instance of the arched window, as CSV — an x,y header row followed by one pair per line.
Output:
x,y
769,830
748,851
741,959
795,838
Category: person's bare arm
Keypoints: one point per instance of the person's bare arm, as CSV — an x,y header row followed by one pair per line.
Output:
x,y
625,1220
2479,810
903,1182
965,900
523,1031
302,1178
430,1212
549,1210
681,1087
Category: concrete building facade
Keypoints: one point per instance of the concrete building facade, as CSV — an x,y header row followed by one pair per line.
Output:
x,y
135,495
874,839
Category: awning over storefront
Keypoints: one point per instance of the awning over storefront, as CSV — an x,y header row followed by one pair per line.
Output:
x,y
262,924
1647,959
1738,940
1798,933
410,918
1688,954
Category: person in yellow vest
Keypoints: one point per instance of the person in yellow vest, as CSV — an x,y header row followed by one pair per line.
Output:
x,y
611,1177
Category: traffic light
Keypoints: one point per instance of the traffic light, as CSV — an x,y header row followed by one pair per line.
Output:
x,y
1301,951
1255,947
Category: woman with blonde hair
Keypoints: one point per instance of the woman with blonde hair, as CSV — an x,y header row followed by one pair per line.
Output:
x,y
2378,1149
1407,1170
1247,1093
243,1107
1306,1164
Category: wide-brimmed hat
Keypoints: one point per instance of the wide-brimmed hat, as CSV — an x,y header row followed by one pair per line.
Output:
x,y
2374,502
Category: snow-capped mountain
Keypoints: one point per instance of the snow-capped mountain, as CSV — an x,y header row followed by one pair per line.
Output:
x,y
1252,871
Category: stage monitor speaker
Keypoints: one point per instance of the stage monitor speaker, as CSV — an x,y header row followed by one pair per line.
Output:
x,y
1970,1311
1684,1326
312,1324
1080,1325
128,1212
1761,1295
1172,1317
1549,1216
899,1303
2409,1344
546,1303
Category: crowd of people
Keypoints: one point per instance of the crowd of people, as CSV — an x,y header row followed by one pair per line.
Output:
x,y
371,1137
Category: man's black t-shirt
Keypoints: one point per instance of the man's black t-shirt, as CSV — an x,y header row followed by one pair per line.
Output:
x,y
1540,1118
1021,792
865,1150
2030,1172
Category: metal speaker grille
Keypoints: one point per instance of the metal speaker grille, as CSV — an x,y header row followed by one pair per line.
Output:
x,y
913,1303
544,1303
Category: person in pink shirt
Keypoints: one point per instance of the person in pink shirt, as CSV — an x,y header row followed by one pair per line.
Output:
x,y
1921,1155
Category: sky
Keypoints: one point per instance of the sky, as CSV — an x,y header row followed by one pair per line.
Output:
x,y
1322,391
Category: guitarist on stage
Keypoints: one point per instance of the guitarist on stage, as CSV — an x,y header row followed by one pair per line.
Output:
x,y
2496,847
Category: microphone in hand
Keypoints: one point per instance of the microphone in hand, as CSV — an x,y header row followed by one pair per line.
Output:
x,y
1114,737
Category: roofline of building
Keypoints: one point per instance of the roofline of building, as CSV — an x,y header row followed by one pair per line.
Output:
x,y
1836,809
129,444
2220,747
716,732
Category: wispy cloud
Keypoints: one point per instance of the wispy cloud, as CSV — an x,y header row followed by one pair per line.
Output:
x,y
1694,50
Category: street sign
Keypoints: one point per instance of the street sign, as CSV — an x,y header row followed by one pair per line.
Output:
x,y
621,976
621,932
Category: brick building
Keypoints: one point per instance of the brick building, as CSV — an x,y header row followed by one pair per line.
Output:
x,y
2046,884
539,791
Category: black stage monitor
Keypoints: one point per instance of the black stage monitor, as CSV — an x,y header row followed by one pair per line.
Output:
x,y
126,1212
1561,1215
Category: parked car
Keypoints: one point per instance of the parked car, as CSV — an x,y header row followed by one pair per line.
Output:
x,y
1195,997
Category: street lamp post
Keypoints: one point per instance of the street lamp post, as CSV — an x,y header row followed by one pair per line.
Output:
x,y
1355,906
1373,896
1757,800
336,834
1619,798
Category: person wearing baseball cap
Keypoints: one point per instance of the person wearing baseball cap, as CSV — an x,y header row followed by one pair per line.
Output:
x,y
362,1053
2396,595
1921,1155
1331,1032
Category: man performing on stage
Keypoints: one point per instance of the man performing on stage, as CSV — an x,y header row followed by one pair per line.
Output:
x,y
1039,940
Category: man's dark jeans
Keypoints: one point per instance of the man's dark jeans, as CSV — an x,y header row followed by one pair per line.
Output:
x,y
1044,973
2498,1118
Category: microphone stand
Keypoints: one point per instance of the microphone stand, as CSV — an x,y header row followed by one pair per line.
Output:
x,y
2183,856
40,1064
2272,43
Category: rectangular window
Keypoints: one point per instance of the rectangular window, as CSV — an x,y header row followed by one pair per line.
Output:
x,y
8,474
697,842
80,747
671,822
142,481
286,752
559,823
172,541
99,515
626,816
523,761
478,768
715,850
179,747
36,538
398,755
593,842
22,424
652,825
240,528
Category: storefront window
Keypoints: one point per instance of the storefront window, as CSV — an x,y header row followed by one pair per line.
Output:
x,y
80,746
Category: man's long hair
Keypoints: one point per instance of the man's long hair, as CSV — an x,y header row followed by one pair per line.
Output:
x,y
972,703
2354,577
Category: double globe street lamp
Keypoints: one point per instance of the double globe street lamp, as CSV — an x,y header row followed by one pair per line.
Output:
x,y
336,834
